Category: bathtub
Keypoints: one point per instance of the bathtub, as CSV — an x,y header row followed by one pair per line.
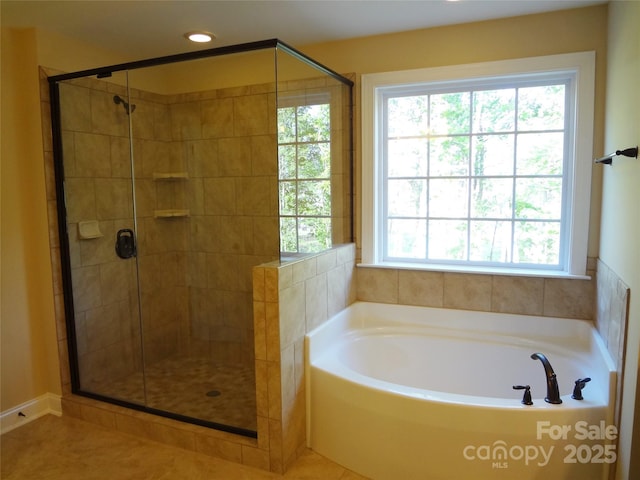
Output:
x,y
406,392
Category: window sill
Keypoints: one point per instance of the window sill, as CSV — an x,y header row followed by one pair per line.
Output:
x,y
513,272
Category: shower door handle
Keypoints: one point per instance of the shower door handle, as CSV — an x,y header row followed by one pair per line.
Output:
x,y
126,243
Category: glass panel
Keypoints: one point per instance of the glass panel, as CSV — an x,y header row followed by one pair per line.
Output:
x,y
408,116
99,204
314,161
314,118
407,198
450,113
539,198
448,198
541,108
492,198
407,158
494,110
490,241
449,156
493,154
407,238
314,198
537,242
540,153
206,158
447,240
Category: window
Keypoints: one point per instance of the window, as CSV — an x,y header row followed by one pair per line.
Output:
x,y
480,166
304,175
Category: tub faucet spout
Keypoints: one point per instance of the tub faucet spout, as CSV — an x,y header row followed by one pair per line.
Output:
x,y
553,394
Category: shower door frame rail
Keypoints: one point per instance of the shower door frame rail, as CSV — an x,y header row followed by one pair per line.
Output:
x,y
65,257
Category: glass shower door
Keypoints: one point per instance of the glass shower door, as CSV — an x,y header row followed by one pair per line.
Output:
x,y
100,227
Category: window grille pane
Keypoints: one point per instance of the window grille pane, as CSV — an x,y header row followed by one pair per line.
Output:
x,y
407,198
286,125
407,157
490,241
314,160
314,234
450,113
541,108
539,198
287,198
449,156
407,238
447,240
493,154
448,198
408,116
314,197
288,234
540,153
286,161
492,198
313,123
494,110
537,243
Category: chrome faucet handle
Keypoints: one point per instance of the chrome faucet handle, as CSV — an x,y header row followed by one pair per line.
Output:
x,y
577,389
526,398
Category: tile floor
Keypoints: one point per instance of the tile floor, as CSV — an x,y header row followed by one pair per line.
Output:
x,y
183,384
65,448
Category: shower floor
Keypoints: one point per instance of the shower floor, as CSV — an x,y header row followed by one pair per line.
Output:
x,y
193,387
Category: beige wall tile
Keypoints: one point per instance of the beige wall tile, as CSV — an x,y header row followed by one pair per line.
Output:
x,y
219,448
251,115
292,314
217,118
568,298
519,295
305,269
185,121
234,157
377,285
262,389
421,288
255,457
315,301
220,196
271,284
75,107
92,155
467,292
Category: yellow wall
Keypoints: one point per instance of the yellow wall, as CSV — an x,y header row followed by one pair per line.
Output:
x,y
29,349
620,227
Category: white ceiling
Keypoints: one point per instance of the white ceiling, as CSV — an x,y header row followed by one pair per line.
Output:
x,y
150,28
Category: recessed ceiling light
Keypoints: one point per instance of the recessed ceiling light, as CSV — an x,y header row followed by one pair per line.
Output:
x,y
200,37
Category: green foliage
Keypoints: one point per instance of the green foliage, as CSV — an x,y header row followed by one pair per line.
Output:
x,y
304,172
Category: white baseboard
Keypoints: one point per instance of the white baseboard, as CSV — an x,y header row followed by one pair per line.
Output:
x,y
29,411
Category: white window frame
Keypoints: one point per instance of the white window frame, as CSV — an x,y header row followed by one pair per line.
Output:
x,y
578,180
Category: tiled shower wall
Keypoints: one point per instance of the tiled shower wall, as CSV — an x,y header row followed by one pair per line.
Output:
x,y
612,315
289,300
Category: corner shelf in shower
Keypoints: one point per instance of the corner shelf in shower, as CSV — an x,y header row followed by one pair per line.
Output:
x,y
171,176
170,213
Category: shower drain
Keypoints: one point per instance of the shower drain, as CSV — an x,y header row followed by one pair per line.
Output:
x,y
213,393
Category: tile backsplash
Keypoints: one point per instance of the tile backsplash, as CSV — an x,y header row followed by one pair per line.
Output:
x,y
551,297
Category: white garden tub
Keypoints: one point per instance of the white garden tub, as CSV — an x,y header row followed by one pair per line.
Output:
x,y
401,392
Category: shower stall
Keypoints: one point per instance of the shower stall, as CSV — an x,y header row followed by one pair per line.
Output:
x,y
175,176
